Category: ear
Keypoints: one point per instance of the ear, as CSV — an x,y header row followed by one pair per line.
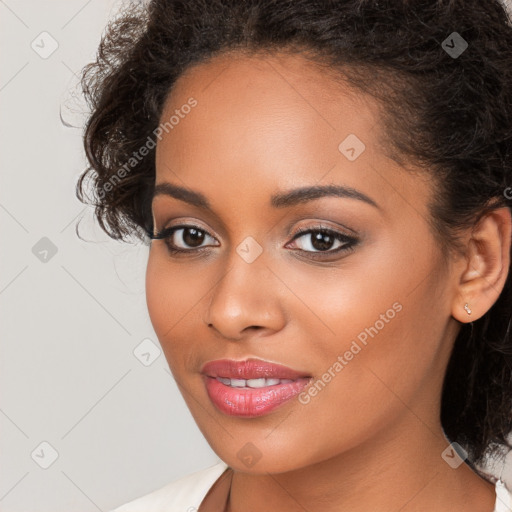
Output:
x,y
485,267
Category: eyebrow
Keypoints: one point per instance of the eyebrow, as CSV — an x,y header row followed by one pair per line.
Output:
x,y
282,200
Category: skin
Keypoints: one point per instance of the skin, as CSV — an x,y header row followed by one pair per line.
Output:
x,y
371,439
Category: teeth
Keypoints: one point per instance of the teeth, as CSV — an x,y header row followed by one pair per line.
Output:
x,y
256,383
252,383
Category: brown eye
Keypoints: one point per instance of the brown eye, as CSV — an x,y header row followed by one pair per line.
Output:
x,y
184,238
192,237
323,240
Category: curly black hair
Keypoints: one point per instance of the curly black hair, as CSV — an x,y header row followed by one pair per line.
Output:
x,y
442,72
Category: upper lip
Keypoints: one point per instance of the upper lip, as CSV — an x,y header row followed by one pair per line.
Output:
x,y
249,369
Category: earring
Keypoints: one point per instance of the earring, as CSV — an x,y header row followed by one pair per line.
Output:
x,y
466,307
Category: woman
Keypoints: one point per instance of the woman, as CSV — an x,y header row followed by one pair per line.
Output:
x,y
326,190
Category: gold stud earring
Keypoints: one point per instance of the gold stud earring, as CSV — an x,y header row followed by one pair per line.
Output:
x,y
466,307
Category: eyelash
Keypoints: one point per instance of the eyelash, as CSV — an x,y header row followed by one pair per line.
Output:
x,y
350,241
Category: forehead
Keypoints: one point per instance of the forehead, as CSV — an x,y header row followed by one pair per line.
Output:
x,y
265,107
271,89
270,122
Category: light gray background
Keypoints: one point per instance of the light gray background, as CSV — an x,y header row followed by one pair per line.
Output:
x,y
70,324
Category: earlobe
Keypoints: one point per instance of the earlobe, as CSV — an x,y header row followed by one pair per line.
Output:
x,y
486,266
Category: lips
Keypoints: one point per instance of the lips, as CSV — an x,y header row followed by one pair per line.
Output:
x,y
250,369
252,387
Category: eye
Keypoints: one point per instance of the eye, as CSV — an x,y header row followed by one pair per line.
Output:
x,y
322,240
319,241
191,237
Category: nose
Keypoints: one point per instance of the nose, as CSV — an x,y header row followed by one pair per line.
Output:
x,y
247,298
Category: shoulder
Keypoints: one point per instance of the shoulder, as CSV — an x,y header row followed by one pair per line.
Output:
x,y
184,494
503,498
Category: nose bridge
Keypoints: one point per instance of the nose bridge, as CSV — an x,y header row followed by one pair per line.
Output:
x,y
244,295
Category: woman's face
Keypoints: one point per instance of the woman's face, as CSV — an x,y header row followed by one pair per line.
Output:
x,y
360,313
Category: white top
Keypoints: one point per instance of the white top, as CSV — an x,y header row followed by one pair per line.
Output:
x,y
187,493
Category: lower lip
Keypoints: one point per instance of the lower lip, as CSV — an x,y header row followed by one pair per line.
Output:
x,y
252,402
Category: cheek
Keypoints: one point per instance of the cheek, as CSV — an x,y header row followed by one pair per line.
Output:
x,y
159,297
172,299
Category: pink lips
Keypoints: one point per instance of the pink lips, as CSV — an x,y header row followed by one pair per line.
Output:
x,y
239,398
